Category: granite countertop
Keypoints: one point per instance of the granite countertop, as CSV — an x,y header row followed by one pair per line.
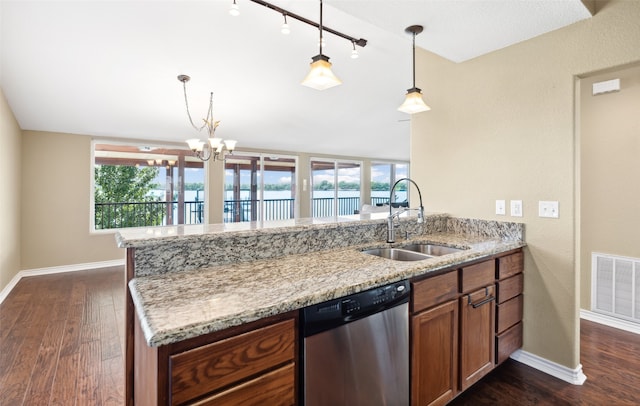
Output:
x,y
176,306
150,236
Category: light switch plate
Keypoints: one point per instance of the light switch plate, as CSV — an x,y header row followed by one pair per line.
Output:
x,y
548,209
516,208
501,207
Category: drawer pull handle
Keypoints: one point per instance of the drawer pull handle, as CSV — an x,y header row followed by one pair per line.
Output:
x,y
483,301
486,299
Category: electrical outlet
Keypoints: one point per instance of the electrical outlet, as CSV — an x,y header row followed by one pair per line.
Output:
x,y
501,207
516,208
548,209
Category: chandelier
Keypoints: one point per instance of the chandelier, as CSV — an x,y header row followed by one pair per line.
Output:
x,y
215,146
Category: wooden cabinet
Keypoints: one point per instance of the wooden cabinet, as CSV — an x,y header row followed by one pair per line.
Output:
x,y
477,312
463,322
477,315
509,306
434,337
252,364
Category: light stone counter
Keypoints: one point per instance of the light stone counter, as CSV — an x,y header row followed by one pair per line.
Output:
x,y
180,304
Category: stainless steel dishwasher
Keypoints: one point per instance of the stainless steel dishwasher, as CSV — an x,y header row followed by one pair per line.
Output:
x,y
356,349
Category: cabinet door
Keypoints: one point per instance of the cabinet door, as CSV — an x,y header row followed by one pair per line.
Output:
x,y
434,357
477,315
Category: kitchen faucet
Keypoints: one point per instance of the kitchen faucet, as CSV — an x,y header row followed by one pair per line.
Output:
x,y
391,234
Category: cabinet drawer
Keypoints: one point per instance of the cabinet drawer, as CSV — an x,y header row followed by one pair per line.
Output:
x,y
434,290
477,276
510,265
508,313
508,342
204,369
510,287
273,388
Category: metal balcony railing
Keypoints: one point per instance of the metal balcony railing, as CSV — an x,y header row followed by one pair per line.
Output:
x,y
144,214
147,214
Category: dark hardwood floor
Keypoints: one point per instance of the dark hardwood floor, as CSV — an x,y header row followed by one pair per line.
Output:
x,y
61,343
62,340
610,359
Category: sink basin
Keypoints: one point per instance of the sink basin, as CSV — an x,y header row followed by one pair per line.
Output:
x,y
397,254
431,249
412,252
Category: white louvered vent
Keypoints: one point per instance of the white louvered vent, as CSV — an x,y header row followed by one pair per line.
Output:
x,y
615,286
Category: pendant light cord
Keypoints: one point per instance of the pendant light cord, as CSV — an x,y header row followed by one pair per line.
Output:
x,y
320,26
414,60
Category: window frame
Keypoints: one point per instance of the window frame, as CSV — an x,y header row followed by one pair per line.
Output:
x,y
336,162
140,145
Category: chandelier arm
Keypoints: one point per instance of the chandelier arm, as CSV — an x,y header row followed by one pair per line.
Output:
x,y
202,155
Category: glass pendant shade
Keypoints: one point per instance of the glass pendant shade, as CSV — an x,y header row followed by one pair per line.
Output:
x,y
321,77
413,102
230,144
195,144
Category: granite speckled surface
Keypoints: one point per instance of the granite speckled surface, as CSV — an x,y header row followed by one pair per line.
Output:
x,y
177,303
167,249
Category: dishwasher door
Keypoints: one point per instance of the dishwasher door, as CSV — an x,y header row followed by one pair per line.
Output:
x,y
361,363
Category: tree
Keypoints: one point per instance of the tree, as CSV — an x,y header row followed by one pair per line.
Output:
x,y
122,197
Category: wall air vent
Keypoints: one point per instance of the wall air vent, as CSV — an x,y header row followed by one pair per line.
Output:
x,y
615,286
607,86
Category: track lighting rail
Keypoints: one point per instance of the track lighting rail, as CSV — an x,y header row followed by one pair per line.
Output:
x,y
360,42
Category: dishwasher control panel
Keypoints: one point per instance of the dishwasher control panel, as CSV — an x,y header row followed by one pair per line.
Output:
x,y
323,315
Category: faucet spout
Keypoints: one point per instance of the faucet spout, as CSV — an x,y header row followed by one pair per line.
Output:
x,y
390,226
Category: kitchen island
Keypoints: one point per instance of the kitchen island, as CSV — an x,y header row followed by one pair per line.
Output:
x,y
187,282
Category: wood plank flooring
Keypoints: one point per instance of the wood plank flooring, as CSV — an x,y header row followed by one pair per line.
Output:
x,y
610,359
62,340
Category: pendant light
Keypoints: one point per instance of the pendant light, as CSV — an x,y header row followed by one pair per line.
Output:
x,y
321,77
413,102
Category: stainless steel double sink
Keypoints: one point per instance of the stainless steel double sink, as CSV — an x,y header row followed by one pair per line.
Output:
x,y
412,252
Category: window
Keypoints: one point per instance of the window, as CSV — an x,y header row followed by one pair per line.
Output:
x,y
335,187
259,187
383,176
146,186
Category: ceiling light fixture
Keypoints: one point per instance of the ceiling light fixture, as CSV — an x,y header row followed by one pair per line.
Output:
x,y
413,102
321,77
215,147
285,27
234,10
286,13
354,52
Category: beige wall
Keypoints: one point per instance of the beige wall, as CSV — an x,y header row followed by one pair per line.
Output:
x,y
56,192
609,171
10,147
56,195
502,126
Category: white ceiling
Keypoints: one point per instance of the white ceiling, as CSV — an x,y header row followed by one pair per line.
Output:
x,y
108,68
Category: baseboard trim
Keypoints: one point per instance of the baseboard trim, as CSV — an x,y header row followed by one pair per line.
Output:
x,y
55,269
610,321
573,376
